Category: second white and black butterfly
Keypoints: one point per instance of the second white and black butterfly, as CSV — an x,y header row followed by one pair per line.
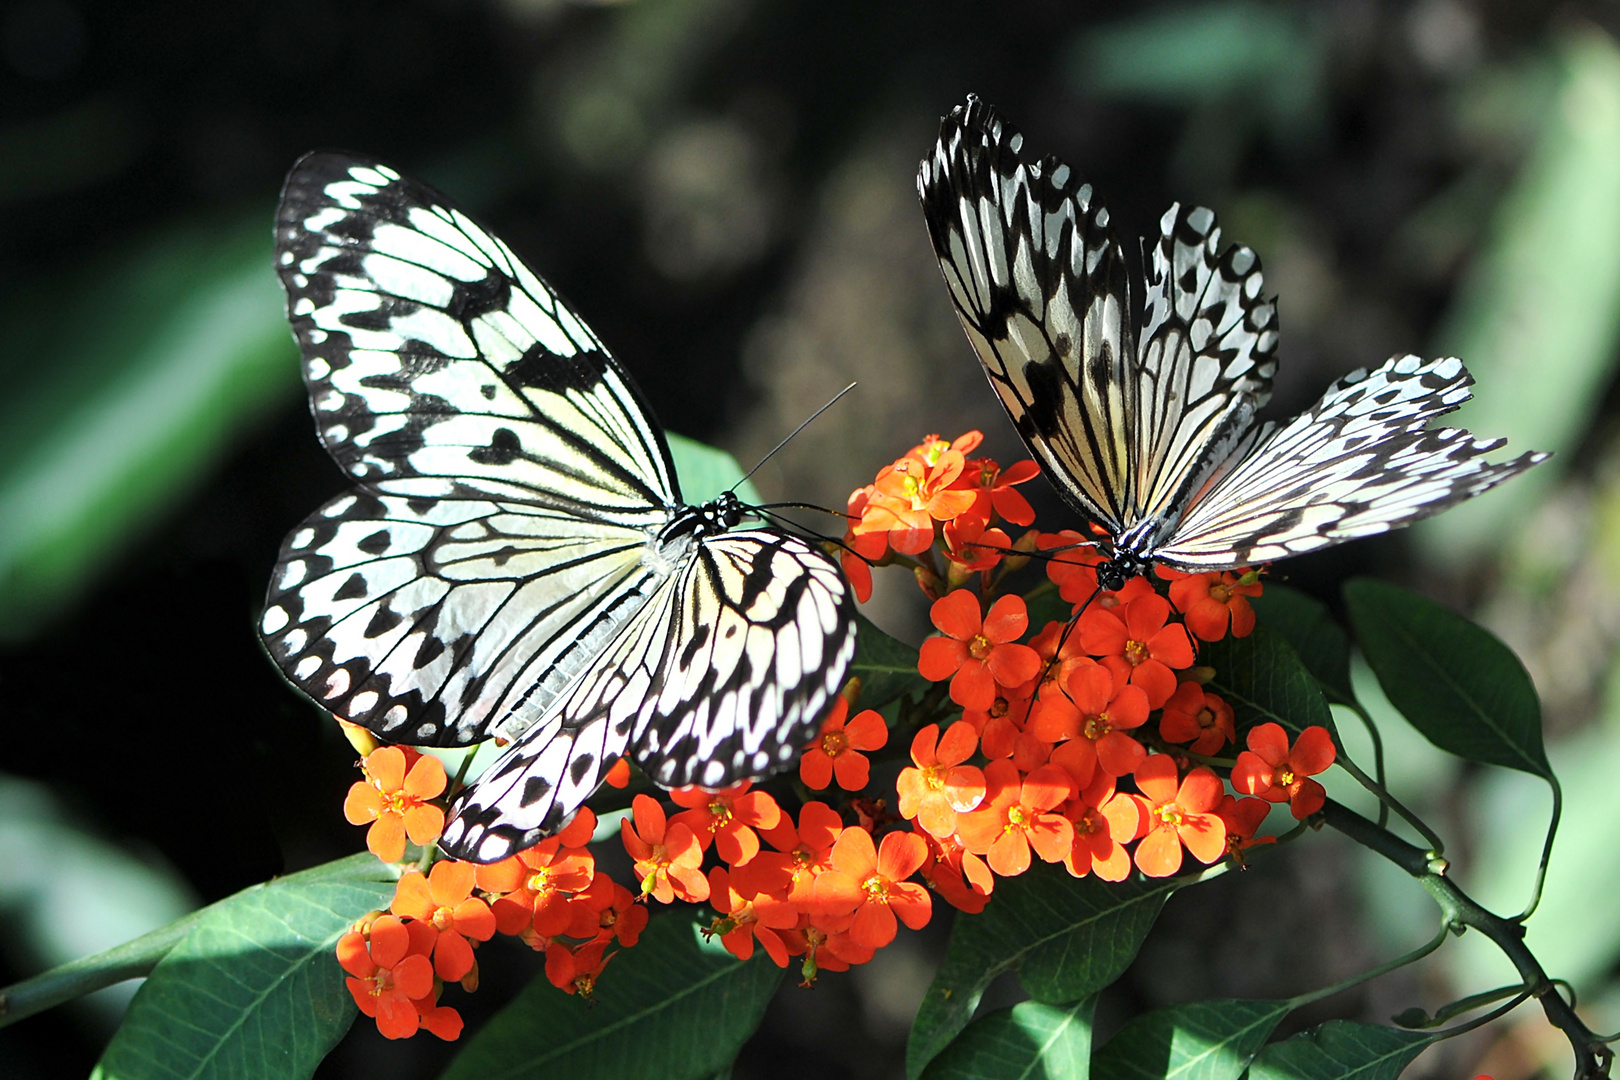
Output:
x,y
1146,420
516,559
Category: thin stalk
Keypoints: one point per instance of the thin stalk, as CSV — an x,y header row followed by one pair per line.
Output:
x,y
1437,846
1592,1054
131,960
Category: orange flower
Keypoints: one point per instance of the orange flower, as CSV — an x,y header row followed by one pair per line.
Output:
x,y
957,874
395,801
1017,816
870,883
973,548
913,493
667,856
862,549
1097,711
1104,822
1058,646
444,901
607,910
1178,815
575,971
837,750
1196,716
1073,568
801,855
1136,643
1243,818
1213,600
726,818
1276,774
992,489
745,919
940,787
532,889
618,775
386,976
978,653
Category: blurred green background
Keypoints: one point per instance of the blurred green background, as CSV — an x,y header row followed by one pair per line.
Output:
x,y
724,188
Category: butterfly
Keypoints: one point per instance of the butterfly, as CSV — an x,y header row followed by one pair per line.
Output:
x,y
1146,421
515,559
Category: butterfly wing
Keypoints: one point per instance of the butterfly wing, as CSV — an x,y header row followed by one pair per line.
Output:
x,y
723,675
1361,461
1040,286
511,477
1208,353
439,366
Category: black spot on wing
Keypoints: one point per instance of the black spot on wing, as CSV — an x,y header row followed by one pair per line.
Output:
x,y
473,299
504,448
535,788
376,543
353,589
581,768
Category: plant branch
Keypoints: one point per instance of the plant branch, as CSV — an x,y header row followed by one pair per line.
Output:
x,y
1592,1055
131,960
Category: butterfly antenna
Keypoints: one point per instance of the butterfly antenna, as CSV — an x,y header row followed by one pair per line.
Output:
x,y
1074,621
793,433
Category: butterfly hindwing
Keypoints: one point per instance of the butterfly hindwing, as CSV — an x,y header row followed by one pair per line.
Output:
x,y
723,675
1361,461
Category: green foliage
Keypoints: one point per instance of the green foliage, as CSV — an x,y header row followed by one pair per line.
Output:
x,y
1263,680
675,1007
1202,1040
706,471
1340,1050
1320,643
1455,681
1066,938
887,667
1029,1041
253,989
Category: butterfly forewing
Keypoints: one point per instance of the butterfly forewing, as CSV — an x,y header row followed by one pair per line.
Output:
x,y
516,561
1039,285
438,365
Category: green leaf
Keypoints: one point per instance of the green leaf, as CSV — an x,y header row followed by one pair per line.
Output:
x,y
1455,681
255,988
1067,938
887,666
1262,678
675,1007
1321,644
706,471
1202,1040
1029,1041
1341,1050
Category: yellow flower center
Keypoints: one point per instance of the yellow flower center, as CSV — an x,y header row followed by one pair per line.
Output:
x,y
1220,593
876,889
1169,815
1135,652
1097,726
979,647
1206,718
934,777
538,882
1018,818
834,743
443,918
719,814
1090,822
1283,777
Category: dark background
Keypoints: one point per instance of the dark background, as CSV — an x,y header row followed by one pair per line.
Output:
x,y
723,188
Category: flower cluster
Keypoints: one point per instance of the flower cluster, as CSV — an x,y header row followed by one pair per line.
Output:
x,y
1092,742
936,485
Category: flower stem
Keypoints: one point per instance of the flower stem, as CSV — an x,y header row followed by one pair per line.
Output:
x,y
131,960
1592,1055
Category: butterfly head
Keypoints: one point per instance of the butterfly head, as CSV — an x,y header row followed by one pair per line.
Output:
x,y
721,515
1113,574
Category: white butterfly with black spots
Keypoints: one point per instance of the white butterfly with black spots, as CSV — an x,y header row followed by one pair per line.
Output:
x,y
516,560
1146,421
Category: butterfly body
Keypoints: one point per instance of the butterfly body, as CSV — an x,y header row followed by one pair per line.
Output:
x,y
1145,416
517,560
